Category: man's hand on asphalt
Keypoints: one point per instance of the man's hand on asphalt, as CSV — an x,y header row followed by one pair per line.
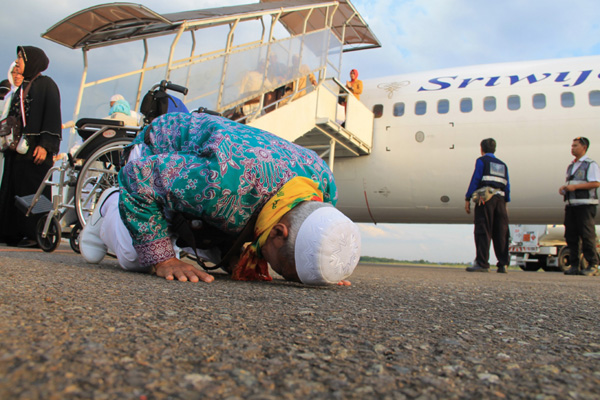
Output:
x,y
174,268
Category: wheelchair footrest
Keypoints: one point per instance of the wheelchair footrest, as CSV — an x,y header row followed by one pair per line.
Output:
x,y
43,205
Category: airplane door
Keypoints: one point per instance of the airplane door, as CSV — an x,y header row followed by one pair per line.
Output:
x,y
423,153
415,171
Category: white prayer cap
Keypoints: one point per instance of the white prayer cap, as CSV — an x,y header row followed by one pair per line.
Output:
x,y
327,247
116,97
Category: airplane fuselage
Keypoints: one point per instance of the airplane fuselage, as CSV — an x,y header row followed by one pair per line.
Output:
x,y
426,139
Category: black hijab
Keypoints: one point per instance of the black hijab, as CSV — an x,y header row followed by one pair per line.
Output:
x,y
42,104
36,60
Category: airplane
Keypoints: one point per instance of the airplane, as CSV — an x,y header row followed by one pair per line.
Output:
x,y
407,149
428,127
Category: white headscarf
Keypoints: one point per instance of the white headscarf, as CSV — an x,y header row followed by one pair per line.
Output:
x,y
10,77
9,95
116,97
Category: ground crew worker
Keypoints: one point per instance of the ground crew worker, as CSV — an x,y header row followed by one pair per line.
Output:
x,y
581,198
490,189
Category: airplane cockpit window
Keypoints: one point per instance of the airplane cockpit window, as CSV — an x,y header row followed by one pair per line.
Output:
x,y
466,105
398,109
567,99
514,102
489,103
443,106
595,98
378,110
420,107
539,101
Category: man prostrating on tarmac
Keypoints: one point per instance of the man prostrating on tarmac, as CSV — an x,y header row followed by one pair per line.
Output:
x,y
235,184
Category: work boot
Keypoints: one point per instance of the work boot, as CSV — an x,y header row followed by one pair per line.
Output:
x,y
501,269
572,271
477,268
592,270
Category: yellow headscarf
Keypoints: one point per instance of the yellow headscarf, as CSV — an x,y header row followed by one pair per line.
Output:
x,y
252,266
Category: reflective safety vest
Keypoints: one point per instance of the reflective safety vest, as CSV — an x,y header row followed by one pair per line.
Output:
x,y
580,196
495,173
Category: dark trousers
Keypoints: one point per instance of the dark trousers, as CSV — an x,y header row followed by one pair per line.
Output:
x,y
491,224
21,177
580,233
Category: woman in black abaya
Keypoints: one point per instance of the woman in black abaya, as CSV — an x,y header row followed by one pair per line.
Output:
x,y
36,104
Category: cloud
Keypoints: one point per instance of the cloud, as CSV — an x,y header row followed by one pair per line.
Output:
x,y
417,35
420,35
371,231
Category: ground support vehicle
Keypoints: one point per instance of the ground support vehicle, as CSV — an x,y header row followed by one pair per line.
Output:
x,y
540,246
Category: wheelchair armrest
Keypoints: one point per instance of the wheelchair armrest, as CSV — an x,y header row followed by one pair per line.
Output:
x,y
98,122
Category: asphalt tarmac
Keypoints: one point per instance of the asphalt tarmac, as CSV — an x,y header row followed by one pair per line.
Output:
x,y
70,330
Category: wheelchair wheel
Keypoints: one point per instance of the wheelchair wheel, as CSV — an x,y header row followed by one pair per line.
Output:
x,y
98,173
52,239
74,239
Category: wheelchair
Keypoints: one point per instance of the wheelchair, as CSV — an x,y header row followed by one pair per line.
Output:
x,y
93,168
82,178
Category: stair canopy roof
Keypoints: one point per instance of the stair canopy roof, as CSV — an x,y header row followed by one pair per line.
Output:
x,y
113,23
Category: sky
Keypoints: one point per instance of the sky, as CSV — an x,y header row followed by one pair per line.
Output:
x,y
417,35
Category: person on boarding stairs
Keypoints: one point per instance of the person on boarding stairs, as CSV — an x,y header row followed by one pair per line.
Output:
x,y
355,85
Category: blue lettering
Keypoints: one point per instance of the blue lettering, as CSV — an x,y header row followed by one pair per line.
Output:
x,y
562,77
531,78
437,81
582,77
492,81
444,82
514,79
467,81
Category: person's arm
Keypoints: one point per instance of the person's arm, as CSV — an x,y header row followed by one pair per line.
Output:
x,y
475,179
561,190
507,189
50,128
581,186
358,88
593,177
474,184
145,185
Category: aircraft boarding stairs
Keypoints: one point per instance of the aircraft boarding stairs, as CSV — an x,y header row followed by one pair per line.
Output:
x,y
317,121
231,57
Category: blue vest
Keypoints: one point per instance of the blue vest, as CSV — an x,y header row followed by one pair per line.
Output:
x,y
495,173
580,196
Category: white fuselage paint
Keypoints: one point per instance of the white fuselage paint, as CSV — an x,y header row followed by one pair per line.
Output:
x,y
421,165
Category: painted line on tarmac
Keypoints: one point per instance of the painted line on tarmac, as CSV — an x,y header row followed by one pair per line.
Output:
x,y
17,250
